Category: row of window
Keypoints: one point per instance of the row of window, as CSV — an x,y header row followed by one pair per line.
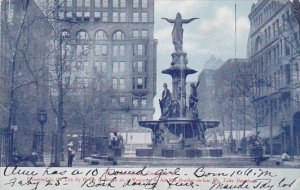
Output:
x,y
271,32
104,3
266,13
80,81
97,16
136,102
117,66
101,35
102,49
119,120
137,83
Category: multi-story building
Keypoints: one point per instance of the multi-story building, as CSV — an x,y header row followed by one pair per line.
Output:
x,y
274,53
113,50
25,40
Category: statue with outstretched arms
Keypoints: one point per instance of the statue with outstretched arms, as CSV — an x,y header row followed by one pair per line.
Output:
x,y
177,32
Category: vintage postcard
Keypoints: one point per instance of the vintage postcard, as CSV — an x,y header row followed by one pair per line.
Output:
x,y
150,94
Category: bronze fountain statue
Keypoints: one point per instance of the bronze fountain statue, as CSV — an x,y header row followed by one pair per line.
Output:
x,y
179,131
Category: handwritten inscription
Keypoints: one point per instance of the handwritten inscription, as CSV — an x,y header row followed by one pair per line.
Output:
x,y
144,178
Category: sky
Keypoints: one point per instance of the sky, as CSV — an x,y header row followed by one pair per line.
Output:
x,y
212,34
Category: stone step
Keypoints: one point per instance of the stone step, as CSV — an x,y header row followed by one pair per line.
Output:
x,y
184,159
197,164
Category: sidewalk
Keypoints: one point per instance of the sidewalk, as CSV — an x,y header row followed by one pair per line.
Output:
x,y
77,162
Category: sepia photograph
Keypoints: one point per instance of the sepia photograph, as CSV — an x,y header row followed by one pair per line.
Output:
x,y
150,94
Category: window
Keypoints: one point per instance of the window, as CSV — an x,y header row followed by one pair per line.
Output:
x,y
10,13
144,3
97,67
78,16
123,3
115,50
101,49
122,99
135,17
100,35
105,3
82,49
87,3
115,83
78,50
79,3
85,66
122,66
103,66
123,17
122,50
140,66
135,33
118,67
119,50
143,103
118,35
114,100
135,102
69,3
115,67
97,3
86,16
115,3
97,16
69,15
85,49
61,15
100,68
82,35
115,17
139,83
140,49
122,84
135,3
144,17
144,33
105,16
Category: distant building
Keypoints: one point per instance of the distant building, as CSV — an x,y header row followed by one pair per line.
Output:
x,y
213,63
110,48
206,90
274,54
222,98
25,40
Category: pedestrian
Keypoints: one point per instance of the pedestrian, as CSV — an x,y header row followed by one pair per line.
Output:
x,y
71,154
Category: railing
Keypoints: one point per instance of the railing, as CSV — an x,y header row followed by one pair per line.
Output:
x,y
6,146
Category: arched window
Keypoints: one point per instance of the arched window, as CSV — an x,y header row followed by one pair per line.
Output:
x,y
82,35
258,43
100,35
118,35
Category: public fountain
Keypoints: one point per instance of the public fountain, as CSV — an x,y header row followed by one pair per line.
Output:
x,y
179,132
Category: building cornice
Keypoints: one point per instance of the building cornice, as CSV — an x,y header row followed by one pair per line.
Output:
x,y
257,8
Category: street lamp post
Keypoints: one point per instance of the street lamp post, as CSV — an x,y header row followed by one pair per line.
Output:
x,y
42,119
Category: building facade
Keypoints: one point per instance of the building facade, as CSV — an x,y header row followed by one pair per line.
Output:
x,y
274,55
110,48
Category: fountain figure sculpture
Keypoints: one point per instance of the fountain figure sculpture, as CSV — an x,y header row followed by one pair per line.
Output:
x,y
179,131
